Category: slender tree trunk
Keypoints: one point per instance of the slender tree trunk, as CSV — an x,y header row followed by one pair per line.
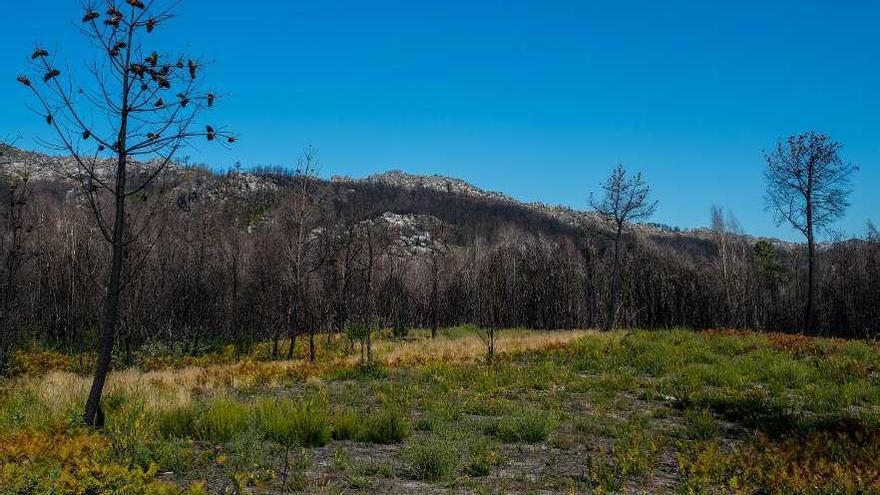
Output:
x,y
5,327
291,333
811,256
129,354
434,302
811,265
4,343
117,258
9,293
111,310
292,348
490,347
615,283
312,350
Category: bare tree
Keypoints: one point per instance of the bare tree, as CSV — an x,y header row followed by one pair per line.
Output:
x,y
625,201
808,186
872,235
301,218
122,130
436,260
17,190
726,232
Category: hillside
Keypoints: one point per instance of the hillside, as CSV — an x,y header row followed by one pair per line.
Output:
x,y
421,250
406,194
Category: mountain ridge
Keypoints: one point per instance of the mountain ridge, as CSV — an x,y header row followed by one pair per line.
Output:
x,y
41,166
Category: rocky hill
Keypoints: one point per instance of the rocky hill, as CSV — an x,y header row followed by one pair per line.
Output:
x,y
411,204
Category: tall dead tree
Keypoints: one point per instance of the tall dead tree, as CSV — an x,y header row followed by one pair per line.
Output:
x,y
625,201
302,254
16,189
726,233
122,129
437,258
808,186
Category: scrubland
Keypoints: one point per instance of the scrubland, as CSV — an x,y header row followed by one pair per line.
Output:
x,y
671,411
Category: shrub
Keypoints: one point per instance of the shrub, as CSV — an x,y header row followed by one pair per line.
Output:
x,y
841,461
38,362
172,454
130,434
701,424
433,458
385,427
304,423
528,426
78,464
177,422
221,420
345,425
25,410
483,458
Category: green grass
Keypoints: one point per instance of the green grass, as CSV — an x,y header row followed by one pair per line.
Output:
x,y
718,412
346,425
526,426
386,426
289,422
221,420
433,458
177,422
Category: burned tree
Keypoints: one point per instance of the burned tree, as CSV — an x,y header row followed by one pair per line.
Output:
x,y
808,186
301,218
727,237
625,201
122,130
16,189
437,259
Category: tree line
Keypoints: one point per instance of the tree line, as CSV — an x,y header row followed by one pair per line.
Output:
x,y
124,247
309,257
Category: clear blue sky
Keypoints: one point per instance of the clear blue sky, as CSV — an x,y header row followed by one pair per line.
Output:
x,y
535,98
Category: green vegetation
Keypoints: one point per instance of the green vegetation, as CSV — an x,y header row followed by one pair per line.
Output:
x,y
528,426
304,423
602,412
387,426
434,458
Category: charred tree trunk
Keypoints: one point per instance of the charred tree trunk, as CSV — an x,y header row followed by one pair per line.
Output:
x,y
615,281
114,289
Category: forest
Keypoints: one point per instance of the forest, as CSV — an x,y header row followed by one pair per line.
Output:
x,y
249,256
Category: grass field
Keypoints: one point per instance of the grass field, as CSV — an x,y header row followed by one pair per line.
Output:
x,y
557,412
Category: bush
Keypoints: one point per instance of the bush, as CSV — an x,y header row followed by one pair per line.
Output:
x,y
385,427
38,362
345,425
177,422
483,458
701,424
40,463
130,434
221,420
432,459
288,422
529,426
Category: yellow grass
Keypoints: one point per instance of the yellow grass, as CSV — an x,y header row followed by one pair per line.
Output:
x,y
164,389
471,347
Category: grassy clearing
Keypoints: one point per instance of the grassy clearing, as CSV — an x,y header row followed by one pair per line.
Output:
x,y
569,411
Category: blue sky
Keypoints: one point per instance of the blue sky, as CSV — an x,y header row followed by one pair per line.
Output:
x,y
538,99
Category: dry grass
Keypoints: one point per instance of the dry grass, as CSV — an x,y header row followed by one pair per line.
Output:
x,y
470,347
165,389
